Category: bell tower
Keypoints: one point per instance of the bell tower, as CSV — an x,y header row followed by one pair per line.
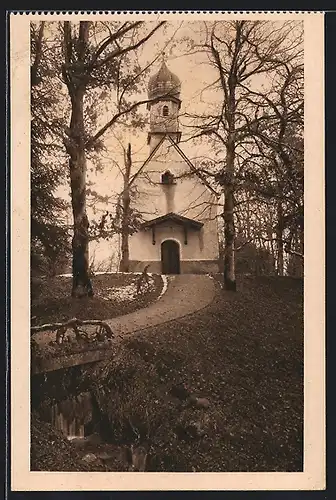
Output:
x,y
164,90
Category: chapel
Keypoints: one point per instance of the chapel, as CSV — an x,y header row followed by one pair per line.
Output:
x,y
179,233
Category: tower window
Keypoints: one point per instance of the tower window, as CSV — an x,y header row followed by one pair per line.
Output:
x,y
167,178
165,111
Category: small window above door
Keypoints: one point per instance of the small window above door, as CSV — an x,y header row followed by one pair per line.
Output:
x,y
165,111
167,178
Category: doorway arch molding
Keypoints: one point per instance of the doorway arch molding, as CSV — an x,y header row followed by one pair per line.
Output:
x,y
176,241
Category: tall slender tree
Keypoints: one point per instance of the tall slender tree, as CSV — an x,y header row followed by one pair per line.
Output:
x,y
242,53
123,217
90,65
276,166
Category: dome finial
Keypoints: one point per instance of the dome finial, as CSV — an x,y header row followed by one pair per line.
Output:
x,y
164,82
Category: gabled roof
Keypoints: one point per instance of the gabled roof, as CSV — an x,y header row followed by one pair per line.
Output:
x,y
172,217
183,156
152,153
192,167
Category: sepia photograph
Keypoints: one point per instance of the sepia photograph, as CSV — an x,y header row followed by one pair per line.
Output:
x,y
167,244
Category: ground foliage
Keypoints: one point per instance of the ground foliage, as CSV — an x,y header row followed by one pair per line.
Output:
x,y
50,450
244,353
51,301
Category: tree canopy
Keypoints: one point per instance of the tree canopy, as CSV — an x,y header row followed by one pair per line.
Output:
x,y
88,79
49,236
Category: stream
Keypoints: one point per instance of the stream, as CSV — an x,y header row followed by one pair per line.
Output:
x,y
59,399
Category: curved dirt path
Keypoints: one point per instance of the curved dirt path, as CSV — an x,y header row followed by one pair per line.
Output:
x,y
186,293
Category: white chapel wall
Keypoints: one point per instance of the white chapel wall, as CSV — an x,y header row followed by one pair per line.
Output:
x,y
197,248
188,197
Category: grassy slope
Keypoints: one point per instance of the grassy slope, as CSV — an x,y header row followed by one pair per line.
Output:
x,y
245,354
52,302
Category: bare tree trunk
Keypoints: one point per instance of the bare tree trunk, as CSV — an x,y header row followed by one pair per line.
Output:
x,y
76,81
273,253
279,238
248,218
229,229
34,79
229,235
229,226
124,263
81,284
300,248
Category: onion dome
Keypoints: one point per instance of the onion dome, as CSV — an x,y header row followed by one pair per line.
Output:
x,y
164,82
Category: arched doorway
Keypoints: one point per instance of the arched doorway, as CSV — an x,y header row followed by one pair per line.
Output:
x,y
170,257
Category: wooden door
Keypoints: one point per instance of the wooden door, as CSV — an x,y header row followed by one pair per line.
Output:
x,y
170,257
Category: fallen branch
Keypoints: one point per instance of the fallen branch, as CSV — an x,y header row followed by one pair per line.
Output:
x,y
70,324
103,331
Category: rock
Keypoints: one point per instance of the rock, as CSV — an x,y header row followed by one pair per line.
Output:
x,y
202,403
89,458
199,402
189,429
103,455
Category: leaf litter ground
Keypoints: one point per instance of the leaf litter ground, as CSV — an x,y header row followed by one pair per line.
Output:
x,y
243,353
115,295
